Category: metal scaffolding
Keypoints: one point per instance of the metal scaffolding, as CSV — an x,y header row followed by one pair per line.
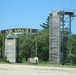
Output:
x,y
59,27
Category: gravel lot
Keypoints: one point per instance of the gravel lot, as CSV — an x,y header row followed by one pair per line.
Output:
x,y
13,69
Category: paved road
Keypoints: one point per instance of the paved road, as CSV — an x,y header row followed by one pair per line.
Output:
x,y
12,69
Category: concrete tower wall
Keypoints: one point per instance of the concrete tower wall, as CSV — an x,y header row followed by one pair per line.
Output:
x,y
10,49
54,37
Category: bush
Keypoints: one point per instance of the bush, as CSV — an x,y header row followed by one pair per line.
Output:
x,y
5,59
23,60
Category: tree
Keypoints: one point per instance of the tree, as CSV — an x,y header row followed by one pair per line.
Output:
x,y
43,45
46,24
73,48
27,46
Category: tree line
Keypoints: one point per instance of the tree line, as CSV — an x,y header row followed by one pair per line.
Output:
x,y
27,47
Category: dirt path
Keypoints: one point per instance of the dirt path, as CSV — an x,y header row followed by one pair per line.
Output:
x,y
11,69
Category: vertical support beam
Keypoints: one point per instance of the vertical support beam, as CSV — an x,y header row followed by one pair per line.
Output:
x,y
70,39
36,44
63,40
3,47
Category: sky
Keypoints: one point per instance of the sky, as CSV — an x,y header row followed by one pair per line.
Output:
x,y
31,13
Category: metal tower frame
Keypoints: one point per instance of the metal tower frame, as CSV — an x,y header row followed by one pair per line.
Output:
x,y
59,28
65,25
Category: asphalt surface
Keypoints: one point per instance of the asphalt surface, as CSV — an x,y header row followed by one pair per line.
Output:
x,y
13,69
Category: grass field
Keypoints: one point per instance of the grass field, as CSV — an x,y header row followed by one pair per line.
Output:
x,y
43,64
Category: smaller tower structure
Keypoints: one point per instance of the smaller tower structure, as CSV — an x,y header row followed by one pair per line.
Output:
x,y
12,49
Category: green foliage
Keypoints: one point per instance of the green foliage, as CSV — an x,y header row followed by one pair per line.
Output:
x,y
43,45
73,49
65,51
27,46
46,24
4,59
23,60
